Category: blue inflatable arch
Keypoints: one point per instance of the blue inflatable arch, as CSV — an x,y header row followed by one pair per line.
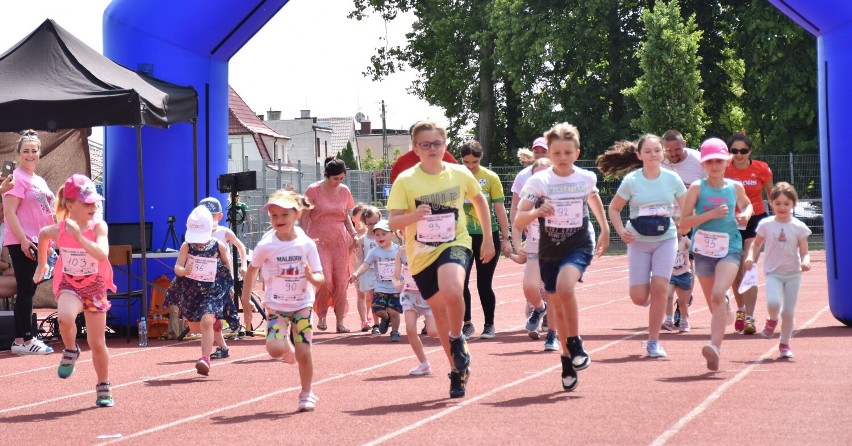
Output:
x,y
831,22
189,42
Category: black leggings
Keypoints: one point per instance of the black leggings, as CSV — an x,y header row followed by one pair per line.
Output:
x,y
484,276
24,270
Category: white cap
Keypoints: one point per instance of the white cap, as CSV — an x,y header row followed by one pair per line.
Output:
x,y
199,225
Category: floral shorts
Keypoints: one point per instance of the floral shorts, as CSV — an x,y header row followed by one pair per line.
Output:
x,y
92,293
280,321
386,301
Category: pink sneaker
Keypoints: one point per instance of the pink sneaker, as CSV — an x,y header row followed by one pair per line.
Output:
x,y
785,350
769,329
739,324
422,369
684,326
203,366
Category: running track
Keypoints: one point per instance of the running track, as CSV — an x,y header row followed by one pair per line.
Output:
x,y
514,395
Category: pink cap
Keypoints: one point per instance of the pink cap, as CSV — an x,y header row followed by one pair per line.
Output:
x,y
541,141
80,187
714,149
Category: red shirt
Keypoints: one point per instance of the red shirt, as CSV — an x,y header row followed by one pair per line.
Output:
x,y
410,159
753,179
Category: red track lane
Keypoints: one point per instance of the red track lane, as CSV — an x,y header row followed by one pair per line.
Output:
x,y
366,396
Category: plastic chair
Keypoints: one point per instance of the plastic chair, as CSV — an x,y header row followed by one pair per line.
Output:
x,y
120,257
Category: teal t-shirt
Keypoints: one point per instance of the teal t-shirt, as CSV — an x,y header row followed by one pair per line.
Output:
x,y
652,196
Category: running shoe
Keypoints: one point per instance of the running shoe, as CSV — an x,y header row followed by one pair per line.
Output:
x,y
569,374
785,351
684,326
769,329
668,325
220,353
424,368
488,332
551,343
384,325
655,350
579,357
739,324
307,401
468,330
66,364
394,336
676,318
458,383
104,396
535,317
375,330
34,347
711,354
460,352
202,366
749,328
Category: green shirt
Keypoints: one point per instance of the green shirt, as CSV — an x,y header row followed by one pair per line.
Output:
x,y
493,191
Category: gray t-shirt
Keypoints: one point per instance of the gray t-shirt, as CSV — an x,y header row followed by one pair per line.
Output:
x,y
781,244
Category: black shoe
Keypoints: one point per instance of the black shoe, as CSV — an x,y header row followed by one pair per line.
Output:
x,y
468,330
384,325
569,375
458,383
677,315
220,353
423,331
579,358
460,352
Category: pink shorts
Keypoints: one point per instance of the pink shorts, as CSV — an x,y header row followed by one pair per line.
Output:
x,y
91,292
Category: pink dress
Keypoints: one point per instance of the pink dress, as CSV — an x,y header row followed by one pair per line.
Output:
x,y
328,226
87,278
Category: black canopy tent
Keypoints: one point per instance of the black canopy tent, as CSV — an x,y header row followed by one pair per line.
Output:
x,y
51,80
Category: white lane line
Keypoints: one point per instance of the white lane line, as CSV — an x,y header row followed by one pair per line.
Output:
x,y
699,409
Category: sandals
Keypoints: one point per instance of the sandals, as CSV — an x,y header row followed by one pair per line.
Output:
x,y
321,325
342,329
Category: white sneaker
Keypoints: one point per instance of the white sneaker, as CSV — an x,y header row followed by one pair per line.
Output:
x,y
421,369
307,401
654,349
34,347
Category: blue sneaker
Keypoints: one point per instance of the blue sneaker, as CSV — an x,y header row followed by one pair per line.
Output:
x,y
535,318
551,343
655,350
66,364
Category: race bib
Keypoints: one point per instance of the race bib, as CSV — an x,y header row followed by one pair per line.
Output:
x,y
653,211
710,244
533,232
77,262
437,228
568,214
385,270
289,288
203,268
749,280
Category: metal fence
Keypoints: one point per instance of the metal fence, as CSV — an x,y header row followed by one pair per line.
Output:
x,y
800,170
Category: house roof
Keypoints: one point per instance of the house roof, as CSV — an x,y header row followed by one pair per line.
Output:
x,y
243,121
342,131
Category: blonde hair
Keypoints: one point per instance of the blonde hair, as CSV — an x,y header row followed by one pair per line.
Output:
x,y
61,206
425,126
526,157
786,189
541,162
563,131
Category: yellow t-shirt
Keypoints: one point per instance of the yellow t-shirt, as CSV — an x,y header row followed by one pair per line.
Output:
x,y
493,191
446,193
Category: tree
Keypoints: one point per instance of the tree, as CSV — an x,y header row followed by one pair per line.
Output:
x,y
348,156
668,90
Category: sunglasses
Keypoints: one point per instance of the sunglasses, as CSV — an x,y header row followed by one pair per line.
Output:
x,y
740,151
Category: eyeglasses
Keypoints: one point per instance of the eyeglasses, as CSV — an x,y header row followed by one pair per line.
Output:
x,y
740,151
426,145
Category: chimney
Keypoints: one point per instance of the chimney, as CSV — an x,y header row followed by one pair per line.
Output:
x,y
273,115
305,114
365,127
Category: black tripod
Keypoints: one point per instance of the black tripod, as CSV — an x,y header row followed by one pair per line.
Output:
x,y
170,232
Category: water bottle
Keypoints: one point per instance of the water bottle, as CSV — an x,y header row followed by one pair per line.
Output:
x,y
51,261
143,332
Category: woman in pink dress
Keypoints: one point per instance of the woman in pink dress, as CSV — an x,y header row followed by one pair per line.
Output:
x,y
329,225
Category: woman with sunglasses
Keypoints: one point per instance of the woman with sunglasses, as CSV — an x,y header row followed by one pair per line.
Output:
x,y
756,178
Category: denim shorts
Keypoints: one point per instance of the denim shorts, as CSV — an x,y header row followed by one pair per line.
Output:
x,y
683,281
550,268
706,266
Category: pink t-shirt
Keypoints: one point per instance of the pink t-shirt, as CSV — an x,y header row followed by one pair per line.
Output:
x,y
35,210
